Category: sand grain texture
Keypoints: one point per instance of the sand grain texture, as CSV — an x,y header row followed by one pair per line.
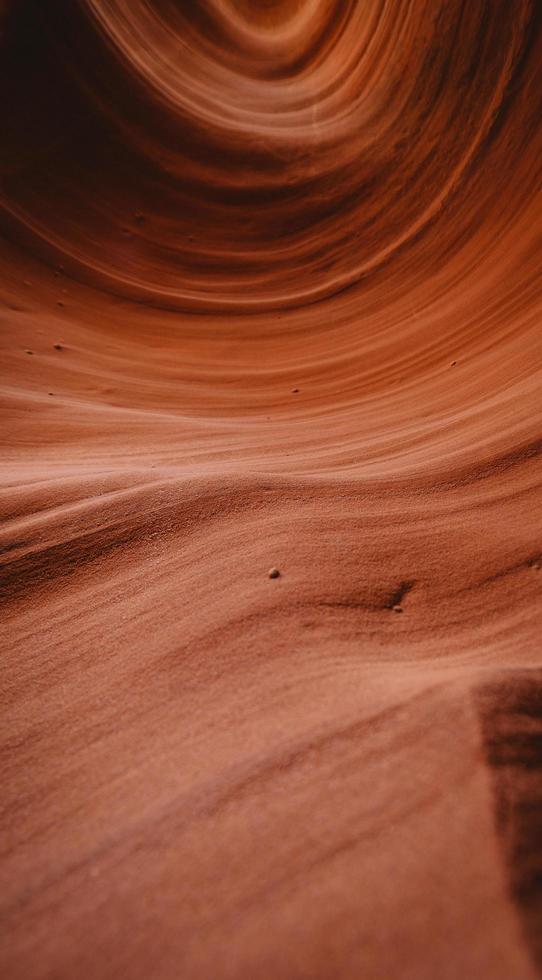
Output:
x,y
277,265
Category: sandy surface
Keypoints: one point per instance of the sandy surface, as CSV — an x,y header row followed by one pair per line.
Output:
x,y
270,297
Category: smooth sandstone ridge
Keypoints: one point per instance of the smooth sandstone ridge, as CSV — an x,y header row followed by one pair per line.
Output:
x,y
271,550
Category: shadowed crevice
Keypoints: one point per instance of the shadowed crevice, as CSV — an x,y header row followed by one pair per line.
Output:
x,y
511,716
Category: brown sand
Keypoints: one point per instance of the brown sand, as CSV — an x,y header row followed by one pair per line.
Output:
x,y
278,267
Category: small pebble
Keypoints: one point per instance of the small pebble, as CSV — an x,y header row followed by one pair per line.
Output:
x,y
59,302
454,363
397,609
29,351
50,392
58,346
274,573
295,391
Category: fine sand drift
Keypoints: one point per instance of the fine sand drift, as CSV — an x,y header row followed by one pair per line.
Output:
x,y
271,549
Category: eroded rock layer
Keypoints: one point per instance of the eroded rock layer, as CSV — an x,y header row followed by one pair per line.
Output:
x,y
271,549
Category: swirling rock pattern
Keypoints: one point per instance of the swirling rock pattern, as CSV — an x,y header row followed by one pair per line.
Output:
x,y
271,298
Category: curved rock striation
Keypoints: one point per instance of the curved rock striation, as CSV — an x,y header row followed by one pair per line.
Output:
x,y
271,552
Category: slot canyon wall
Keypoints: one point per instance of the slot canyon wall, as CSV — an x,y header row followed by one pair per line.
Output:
x,y
271,550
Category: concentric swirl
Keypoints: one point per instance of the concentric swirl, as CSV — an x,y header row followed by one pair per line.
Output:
x,y
274,153
271,494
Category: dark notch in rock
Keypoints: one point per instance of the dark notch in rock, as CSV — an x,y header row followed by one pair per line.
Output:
x,y
396,598
511,719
